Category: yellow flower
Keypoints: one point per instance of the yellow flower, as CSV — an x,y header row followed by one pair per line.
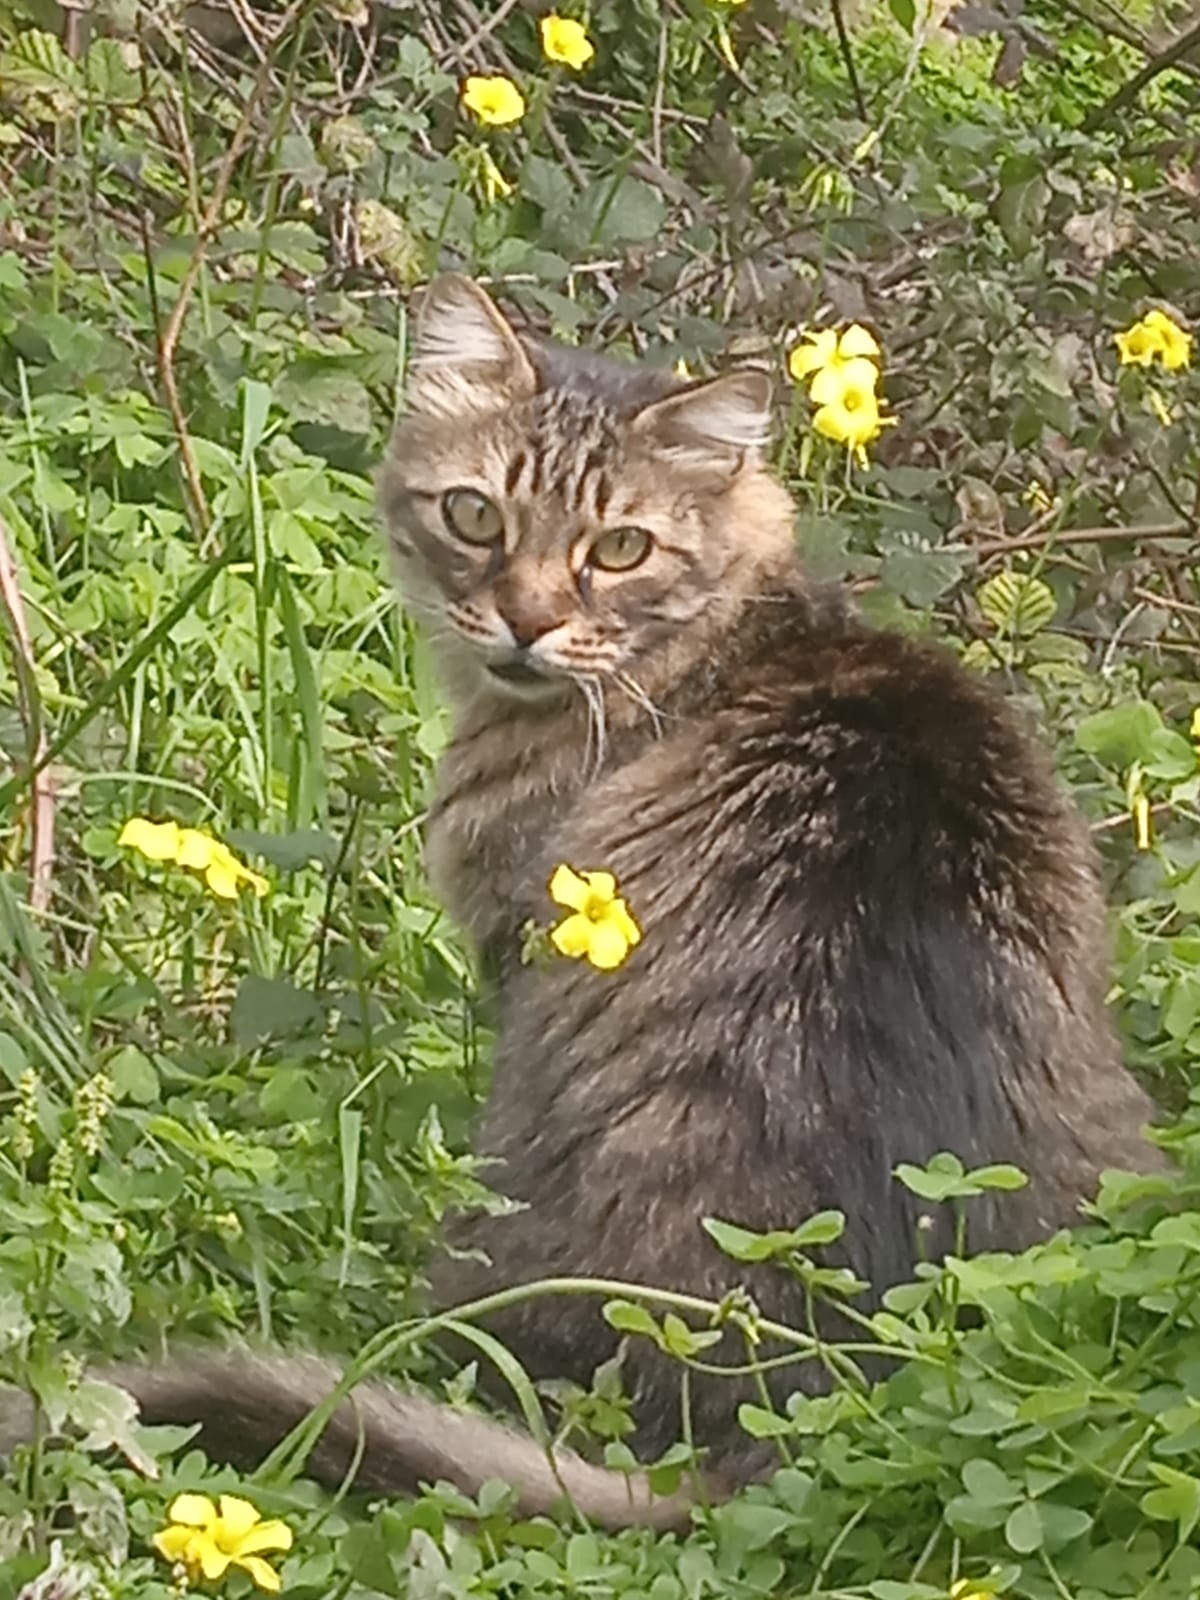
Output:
x,y
157,841
1156,334
208,1541
827,348
189,847
1196,724
1141,822
496,101
848,407
601,926
1175,346
566,41
1138,346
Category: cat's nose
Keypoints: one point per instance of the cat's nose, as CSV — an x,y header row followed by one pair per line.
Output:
x,y
528,620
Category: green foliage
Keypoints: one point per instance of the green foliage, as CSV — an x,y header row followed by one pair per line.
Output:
x,y
251,1116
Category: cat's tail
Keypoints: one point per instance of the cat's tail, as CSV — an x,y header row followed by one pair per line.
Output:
x,y
246,1403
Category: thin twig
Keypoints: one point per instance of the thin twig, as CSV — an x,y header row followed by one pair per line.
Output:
x,y
660,81
839,23
1123,819
1165,59
208,227
485,29
41,851
1127,535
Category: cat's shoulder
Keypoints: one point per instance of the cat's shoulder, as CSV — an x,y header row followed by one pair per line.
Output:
x,y
857,686
872,728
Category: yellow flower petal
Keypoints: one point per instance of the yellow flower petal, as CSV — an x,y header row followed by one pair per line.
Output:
x,y
157,841
1196,723
857,341
832,384
602,886
262,1572
172,1543
573,936
256,881
237,1518
566,41
568,889
273,1535
222,879
607,947
1141,822
194,1510
496,100
1175,345
818,352
208,1555
1138,346
621,918
196,849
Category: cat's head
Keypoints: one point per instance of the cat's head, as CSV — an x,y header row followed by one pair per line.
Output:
x,y
559,517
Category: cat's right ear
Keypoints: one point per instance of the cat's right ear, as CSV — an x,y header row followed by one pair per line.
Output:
x,y
465,357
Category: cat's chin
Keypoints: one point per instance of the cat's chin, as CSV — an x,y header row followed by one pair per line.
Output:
x,y
519,680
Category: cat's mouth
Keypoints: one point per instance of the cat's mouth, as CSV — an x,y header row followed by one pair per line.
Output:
x,y
521,676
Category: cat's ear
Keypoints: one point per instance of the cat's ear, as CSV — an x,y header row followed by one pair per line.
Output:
x,y
712,424
465,357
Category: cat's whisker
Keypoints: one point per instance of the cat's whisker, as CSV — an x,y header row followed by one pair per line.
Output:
x,y
632,690
597,729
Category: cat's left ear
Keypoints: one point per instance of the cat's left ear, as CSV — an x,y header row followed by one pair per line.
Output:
x,y
465,356
714,424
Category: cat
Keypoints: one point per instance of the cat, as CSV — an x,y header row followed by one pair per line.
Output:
x,y
871,921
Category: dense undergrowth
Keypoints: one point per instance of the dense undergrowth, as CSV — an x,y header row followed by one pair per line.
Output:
x,y
249,1115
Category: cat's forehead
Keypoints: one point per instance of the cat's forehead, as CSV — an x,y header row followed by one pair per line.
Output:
x,y
561,447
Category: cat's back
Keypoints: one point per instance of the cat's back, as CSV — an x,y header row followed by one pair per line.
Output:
x,y
872,929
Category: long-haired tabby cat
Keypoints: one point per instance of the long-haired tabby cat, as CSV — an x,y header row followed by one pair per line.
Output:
x,y
872,927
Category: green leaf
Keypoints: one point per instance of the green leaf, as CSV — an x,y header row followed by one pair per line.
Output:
x,y
823,1227
985,1481
256,407
746,1525
272,1008
626,1317
740,1243
1001,1176
1023,1530
680,1340
1044,1524
1121,735
288,851
762,1424
133,1075
1177,1501
942,1178
1017,606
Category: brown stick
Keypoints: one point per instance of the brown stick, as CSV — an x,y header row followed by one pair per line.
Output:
x,y
41,851
1127,535
1171,56
208,227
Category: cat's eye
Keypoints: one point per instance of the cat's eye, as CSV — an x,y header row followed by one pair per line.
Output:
x,y
620,549
472,516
